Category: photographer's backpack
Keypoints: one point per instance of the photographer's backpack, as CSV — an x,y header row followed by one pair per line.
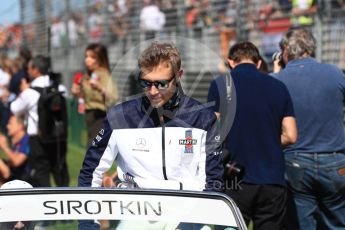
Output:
x,y
52,113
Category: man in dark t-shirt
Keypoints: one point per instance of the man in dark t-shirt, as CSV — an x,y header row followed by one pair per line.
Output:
x,y
264,121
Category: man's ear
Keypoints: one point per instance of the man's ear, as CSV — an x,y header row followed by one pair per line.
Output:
x,y
179,75
231,63
258,65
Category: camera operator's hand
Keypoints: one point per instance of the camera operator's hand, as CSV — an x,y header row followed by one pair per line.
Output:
x,y
277,59
276,66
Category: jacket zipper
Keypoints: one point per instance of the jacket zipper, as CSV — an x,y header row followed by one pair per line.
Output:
x,y
163,153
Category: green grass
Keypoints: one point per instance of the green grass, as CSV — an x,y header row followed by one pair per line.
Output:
x,y
75,157
64,226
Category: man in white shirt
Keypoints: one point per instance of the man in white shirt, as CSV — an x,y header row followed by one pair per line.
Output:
x,y
45,157
151,19
26,104
4,114
4,81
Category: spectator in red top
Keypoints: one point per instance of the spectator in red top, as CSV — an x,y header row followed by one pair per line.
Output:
x,y
273,23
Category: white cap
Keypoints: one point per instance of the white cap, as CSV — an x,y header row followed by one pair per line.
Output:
x,y
16,184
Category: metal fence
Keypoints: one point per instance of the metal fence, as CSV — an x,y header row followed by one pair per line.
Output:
x,y
203,30
116,23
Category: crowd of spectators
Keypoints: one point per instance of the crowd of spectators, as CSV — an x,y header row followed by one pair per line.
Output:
x,y
113,22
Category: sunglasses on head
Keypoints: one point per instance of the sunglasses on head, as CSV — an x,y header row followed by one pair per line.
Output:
x,y
160,84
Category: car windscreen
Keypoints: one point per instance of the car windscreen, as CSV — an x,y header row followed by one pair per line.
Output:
x,y
117,209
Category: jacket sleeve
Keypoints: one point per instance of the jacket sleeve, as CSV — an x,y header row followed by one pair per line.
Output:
x,y
213,96
213,166
98,158
111,92
22,103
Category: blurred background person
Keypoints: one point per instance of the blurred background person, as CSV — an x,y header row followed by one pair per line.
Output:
x,y
303,12
94,22
226,26
5,78
46,156
96,88
15,166
272,23
152,19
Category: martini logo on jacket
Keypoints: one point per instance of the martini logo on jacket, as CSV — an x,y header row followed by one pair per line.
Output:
x,y
188,142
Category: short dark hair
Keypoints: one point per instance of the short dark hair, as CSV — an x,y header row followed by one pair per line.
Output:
x,y
159,52
101,53
244,50
41,63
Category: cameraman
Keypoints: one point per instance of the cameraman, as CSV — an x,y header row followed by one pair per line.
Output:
x,y
45,157
264,121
